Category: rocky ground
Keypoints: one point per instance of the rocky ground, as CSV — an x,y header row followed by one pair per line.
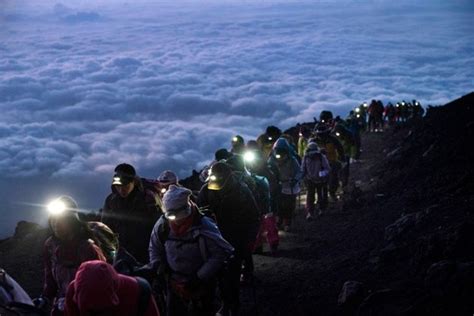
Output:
x,y
400,241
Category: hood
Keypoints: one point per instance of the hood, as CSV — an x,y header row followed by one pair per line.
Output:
x,y
96,286
282,143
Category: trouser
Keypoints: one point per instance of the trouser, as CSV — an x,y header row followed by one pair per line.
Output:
x,y
229,282
269,231
344,173
322,190
333,181
287,208
200,303
372,123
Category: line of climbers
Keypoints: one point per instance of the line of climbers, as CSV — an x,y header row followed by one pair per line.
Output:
x,y
195,247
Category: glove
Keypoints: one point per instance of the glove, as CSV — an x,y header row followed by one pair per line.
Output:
x,y
41,302
145,272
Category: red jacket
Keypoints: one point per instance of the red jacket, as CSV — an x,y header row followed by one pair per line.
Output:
x,y
98,287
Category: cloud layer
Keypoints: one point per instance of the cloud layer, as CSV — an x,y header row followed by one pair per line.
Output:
x,y
84,87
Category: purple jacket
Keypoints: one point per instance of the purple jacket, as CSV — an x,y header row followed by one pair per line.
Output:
x,y
311,166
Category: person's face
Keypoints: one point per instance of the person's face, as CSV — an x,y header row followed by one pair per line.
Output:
x,y
61,227
125,190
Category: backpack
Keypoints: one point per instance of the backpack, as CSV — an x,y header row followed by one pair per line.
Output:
x,y
164,232
105,239
11,291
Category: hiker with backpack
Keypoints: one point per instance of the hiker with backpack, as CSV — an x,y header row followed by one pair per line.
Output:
x,y
98,289
334,152
70,245
315,171
287,170
236,213
130,211
188,251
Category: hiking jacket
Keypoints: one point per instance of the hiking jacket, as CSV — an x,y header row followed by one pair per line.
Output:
x,y
98,287
288,172
311,166
332,148
201,251
132,218
61,261
235,210
302,144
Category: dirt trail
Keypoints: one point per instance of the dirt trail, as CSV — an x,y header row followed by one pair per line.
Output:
x,y
317,257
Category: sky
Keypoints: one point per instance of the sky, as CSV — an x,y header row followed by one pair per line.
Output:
x,y
85,85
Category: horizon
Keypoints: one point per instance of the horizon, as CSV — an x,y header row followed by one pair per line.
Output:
x,y
87,85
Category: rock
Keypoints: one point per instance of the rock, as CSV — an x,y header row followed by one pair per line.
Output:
x,y
24,228
451,286
351,295
386,302
403,225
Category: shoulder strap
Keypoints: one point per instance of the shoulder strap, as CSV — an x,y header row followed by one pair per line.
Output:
x,y
143,296
164,231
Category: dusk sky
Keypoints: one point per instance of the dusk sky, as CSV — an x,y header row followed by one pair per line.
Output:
x,y
85,85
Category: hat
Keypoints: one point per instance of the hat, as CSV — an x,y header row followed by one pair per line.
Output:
x,y
218,176
238,140
176,203
322,129
168,177
124,174
312,148
222,154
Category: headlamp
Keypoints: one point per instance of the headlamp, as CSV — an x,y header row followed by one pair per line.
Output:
x,y
212,178
358,115
270,138
403,103
357,110
56,207
249,156
338,134
163,191
300,134
235,139
322,121
365,105
277,156
171,217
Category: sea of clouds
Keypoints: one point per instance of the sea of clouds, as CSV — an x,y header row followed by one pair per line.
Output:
x,y
85,85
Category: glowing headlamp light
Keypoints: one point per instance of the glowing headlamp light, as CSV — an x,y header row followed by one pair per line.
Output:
x,y
322,121
403,103
235,139
338,134
163,191
365,105
270,138
417,103
171,217
56,207
358,115
249,156
212,178
357,110
278,156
